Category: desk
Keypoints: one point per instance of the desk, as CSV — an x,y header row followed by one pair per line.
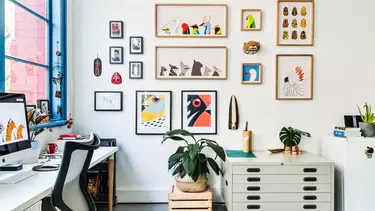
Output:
x,y
20,196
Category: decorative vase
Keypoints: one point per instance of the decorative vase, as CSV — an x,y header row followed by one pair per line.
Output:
x,y
288,150
368,129
187,184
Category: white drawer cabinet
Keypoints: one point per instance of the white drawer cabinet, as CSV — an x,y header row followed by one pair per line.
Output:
x,y
278,182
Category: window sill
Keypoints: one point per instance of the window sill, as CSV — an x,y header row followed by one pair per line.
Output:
x,y
52,124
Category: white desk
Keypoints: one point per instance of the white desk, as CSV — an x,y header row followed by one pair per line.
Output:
x,y
20,196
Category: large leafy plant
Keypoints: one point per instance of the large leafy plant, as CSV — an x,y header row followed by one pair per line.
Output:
x,y
367,115
189,159
292,137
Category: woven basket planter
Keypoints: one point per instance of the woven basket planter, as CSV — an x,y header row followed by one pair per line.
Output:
x,y
187,184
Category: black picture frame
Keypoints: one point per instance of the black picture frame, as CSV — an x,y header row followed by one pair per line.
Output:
x,y
136,110
215,106
121,30
131,48
121,56
39,105
108,92
130,70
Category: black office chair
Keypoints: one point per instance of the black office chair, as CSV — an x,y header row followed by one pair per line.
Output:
x,y
70,191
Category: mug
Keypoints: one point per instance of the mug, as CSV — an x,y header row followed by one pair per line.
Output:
x,y
52,148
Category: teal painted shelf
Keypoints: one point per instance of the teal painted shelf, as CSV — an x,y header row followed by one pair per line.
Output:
x,y
239,154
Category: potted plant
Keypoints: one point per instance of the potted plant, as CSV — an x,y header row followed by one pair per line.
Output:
x,y
291,138
189,163
367,126
35,118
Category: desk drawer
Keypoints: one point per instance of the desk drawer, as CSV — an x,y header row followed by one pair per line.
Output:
x,y
282,207
299,179
281,170
285,197
281,188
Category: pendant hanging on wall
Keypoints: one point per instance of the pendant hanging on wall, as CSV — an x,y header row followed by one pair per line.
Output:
x,y
97,66
233,114
251,47
58,82
116,78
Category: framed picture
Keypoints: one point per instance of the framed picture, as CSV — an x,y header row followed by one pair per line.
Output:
x,y
30,107
295,23
135,70
44,106
294,77
252,73
251,19
136,45
191,62
116,29
108,101
153,112
191,20
199,112
116,55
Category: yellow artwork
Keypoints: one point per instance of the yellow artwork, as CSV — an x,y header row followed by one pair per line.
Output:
x,y
153,110
10,135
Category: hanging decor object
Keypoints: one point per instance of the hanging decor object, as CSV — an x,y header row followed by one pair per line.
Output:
x,y
233,114
251,47
70,121
97,66
58,82
116,78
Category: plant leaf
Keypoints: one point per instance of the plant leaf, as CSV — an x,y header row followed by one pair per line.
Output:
x,y
179,132
218,149
178,169
174,138
360,113
214,166
183,173
174,159
189,164
193,150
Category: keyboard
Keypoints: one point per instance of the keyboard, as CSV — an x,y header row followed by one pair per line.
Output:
x,y
15,177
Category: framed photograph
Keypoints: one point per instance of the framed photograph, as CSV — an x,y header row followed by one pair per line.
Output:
x,y
116,29
136,45
252,73
251,19
30,107
191,62
295,22
108,100
135,70
191,20
153,112
44,106
116,55
294,77
199,112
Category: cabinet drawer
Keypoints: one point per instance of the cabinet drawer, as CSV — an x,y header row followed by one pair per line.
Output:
x,y
285,197
281,188
281,170
282,206
304,179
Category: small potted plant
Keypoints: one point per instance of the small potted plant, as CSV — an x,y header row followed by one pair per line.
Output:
x,y
291,138
35,118
189,163
368,117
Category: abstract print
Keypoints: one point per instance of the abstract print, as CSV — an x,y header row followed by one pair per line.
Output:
x,y
199,110
294,83
153,111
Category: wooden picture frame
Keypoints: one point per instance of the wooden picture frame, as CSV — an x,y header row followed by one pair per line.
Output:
x,y
255,73
295,18
135,45
186,25
296,75
135,74
191,63
117,31
116,58
257,22
108,101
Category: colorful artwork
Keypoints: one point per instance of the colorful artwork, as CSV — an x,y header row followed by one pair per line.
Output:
x,y
153,112
295,23
116,29
251,19
116,55
191,20
251,47
14,132
199,111
251,73
294,77
191,63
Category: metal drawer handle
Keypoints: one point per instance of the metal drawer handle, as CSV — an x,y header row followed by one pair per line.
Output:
x,y
253,188
253,170
310,170
310,179
309,207
253,179
253,207
309,197
253,197
309,188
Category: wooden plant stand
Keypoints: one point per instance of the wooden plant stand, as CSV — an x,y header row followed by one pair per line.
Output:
x,y
180,201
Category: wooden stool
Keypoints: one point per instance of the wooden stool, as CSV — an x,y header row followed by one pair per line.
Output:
x,y
180,201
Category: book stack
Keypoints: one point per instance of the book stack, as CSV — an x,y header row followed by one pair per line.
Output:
x,y
347,132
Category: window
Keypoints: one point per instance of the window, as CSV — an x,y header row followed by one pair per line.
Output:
x,y
33,31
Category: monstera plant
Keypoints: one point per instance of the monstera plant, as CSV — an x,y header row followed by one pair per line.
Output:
x,y
189,163
291,137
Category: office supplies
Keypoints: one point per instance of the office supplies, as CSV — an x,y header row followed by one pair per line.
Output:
x,y
247,139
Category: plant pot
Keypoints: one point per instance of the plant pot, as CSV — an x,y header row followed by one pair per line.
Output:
x,y
368,129
187,184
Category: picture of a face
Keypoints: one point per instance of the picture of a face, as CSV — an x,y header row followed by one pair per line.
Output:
x,y
116,55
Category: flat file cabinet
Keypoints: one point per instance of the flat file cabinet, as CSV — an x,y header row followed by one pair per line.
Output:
x,y
282,182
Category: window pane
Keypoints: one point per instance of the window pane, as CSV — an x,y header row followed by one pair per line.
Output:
x,y
25,34
26,78
38,6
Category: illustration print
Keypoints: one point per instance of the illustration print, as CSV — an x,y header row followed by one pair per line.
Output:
x,y
13,132
294,11
153,111
294,83
286,11
250,22
199,110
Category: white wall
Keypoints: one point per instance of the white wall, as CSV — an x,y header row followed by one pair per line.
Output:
x,y
343,77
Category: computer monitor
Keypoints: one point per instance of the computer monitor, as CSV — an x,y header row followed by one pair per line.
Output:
x,y
14,129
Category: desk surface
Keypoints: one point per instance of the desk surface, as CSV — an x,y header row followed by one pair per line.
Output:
x,y
17,197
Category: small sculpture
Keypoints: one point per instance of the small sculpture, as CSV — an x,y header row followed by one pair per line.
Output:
x,y
251,47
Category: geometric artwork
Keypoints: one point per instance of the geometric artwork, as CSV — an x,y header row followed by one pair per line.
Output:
x,y
199,112
251,73
116,29
295,23
153,112
251,20
191,62
294,77
191,20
